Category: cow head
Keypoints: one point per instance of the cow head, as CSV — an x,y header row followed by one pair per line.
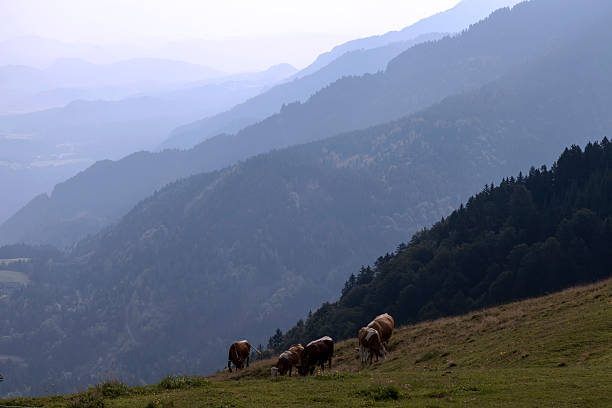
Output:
x,y
239,364
383,352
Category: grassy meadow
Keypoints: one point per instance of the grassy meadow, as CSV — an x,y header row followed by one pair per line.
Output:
x,y
553,351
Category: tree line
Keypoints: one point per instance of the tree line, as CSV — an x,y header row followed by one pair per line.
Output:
x,y
530,235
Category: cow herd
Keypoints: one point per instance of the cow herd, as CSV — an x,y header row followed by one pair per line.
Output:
x,y
372,343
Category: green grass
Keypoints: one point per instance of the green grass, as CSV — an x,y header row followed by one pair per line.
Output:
x,y
554,351
14,277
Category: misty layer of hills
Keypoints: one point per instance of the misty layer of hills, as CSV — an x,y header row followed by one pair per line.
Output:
x,y
422,75
357,57
454,20
27,89
40,149
352,63
251,247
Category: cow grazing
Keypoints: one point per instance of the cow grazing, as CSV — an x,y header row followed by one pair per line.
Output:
x,y
384,325
370,345
297,349
289,359
286,361
240,352
317,352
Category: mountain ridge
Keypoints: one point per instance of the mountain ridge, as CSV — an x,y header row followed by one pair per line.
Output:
x,y
67,139
455,19
352,63
408,85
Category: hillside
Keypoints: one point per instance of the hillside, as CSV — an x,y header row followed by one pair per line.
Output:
x,y
454,20
417,78
353,58
40,149
507,41
130,292
548,351
353,63
530,235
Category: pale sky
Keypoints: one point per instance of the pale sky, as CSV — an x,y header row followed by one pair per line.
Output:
x,y
155,22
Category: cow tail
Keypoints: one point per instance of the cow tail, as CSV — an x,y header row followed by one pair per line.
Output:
x,y
257,351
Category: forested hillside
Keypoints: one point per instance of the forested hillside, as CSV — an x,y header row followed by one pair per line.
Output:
x,y
507,41
354,63
531,235
356,57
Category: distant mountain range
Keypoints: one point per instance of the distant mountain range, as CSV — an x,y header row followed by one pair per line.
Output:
x,y
420,76
454,20
356,57
24,85
40,149
253,246
353,63
234,54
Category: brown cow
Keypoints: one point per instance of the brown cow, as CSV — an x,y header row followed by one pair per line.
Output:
x,y
384,324
298,349
317,352
370,344
286,361
240,352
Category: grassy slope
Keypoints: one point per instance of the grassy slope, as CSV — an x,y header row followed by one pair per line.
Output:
x,y
550,351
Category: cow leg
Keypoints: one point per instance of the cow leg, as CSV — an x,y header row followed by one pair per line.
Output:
x,y
248,357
